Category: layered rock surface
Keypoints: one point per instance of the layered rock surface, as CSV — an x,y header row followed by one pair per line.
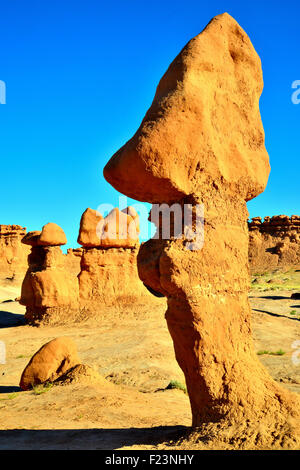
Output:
x,y
73,259
109,275
274,243
202,142
59,288
13,254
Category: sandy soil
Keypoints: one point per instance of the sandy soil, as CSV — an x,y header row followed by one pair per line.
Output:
x,y
133,350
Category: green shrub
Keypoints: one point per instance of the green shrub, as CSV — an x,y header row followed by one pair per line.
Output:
x,y
176,384
42,388
11,396
280,352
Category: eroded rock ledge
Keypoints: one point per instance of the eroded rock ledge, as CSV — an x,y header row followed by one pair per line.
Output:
x,y
13,255
274,243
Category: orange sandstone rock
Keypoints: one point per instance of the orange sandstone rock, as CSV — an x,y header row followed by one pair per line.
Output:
x,y
88,234
53,360
117,229
13,255
52,235
202,142
274,243
203,126
134,215
50,289
72,260
31,238
109,277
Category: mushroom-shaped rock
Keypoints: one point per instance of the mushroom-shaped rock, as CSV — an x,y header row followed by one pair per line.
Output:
x,y
202,142
50,362
52,235
50,288
31,238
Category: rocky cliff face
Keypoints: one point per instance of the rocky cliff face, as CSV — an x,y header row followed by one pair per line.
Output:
x,y
274,243
72,260
109,278
13,255
109,275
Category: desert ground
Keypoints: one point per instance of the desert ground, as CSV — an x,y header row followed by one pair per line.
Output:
x,y
135,407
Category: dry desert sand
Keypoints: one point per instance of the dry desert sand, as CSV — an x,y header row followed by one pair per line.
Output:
x,y
133,350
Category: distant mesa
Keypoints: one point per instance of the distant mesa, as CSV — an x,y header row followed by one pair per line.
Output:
x,y
274,242
13,255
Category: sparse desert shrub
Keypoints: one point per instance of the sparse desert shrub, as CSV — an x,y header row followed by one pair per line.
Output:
x,y
42,388
280,352
176,384
11,396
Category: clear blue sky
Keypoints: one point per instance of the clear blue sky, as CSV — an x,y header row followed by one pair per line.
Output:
x,y
80,76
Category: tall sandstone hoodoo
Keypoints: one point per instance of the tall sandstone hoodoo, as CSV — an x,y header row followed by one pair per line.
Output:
x,y
202,142
109,275
13,255
49,290
274,243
